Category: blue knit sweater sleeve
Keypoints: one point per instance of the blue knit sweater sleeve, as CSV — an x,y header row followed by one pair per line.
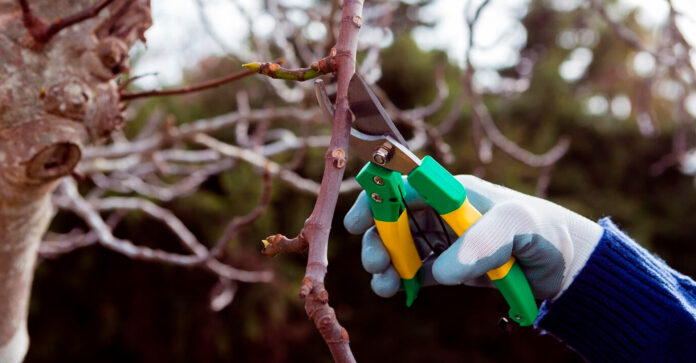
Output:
x,y
625,305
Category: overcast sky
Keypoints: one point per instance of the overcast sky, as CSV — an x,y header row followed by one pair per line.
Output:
x,y
177,38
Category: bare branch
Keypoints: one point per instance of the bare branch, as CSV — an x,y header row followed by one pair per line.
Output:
x,y
222,294
70,199
274,70
482,118
42,33
126,183
480,113
424,133
437,103
237,223
56,245
217,82
157,141
626,34
291,178
78,205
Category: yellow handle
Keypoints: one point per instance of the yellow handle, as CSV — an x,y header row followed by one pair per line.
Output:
x,y
462,218
502,271
397,238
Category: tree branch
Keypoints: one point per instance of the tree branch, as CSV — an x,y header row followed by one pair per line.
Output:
x,y
482,118
42,33
317,227
274,70
238,222
71,200
187,89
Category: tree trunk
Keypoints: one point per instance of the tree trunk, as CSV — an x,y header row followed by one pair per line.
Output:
x,y
57,93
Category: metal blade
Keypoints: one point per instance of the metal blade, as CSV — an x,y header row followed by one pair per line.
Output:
x,y
396,156
370,116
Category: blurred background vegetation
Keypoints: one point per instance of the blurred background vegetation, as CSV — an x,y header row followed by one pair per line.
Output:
x,y
96,306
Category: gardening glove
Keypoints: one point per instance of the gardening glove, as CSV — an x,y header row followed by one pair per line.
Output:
x,y
550,243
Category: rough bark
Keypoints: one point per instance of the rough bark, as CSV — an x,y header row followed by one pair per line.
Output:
x,y
57,94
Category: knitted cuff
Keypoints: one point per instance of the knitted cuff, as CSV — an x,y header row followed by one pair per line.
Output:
x,y
625,304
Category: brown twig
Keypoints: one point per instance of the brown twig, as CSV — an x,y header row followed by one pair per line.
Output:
x,y
277,244
43,33
130,80
187,89
238,222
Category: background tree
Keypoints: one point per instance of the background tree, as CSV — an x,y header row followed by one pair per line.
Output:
x,y
181,166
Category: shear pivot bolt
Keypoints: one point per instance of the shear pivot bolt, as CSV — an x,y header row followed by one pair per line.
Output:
x,y
381,155
376,198
378,180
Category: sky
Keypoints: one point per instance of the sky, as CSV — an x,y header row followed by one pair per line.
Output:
x,y
178,39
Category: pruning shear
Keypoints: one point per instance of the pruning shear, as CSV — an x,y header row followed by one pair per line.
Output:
x,y
375,138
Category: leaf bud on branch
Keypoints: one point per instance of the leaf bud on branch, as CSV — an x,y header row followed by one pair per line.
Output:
x,y
323,66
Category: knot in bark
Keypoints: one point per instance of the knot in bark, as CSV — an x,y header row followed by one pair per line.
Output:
x,y
113,53
53,161
306,287
129,23
339,158
69,99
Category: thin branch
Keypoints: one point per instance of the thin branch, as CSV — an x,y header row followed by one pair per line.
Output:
x,y
482,118
291,178
480,113
206,24
239,222
78,205
70,199
130,80
187,89
42,33
222,294
187,130
626,34
274,70
124,182
56,245
424,133
331,36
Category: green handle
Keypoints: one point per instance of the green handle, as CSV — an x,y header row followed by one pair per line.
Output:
x,y
447,196
384,187
385,190
518,294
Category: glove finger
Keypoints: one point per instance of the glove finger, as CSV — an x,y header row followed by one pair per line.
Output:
x,y
484,195
485,246
386,284
359,217
541,262
374,256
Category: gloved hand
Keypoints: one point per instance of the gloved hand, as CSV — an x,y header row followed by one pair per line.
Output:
x,y
550,242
